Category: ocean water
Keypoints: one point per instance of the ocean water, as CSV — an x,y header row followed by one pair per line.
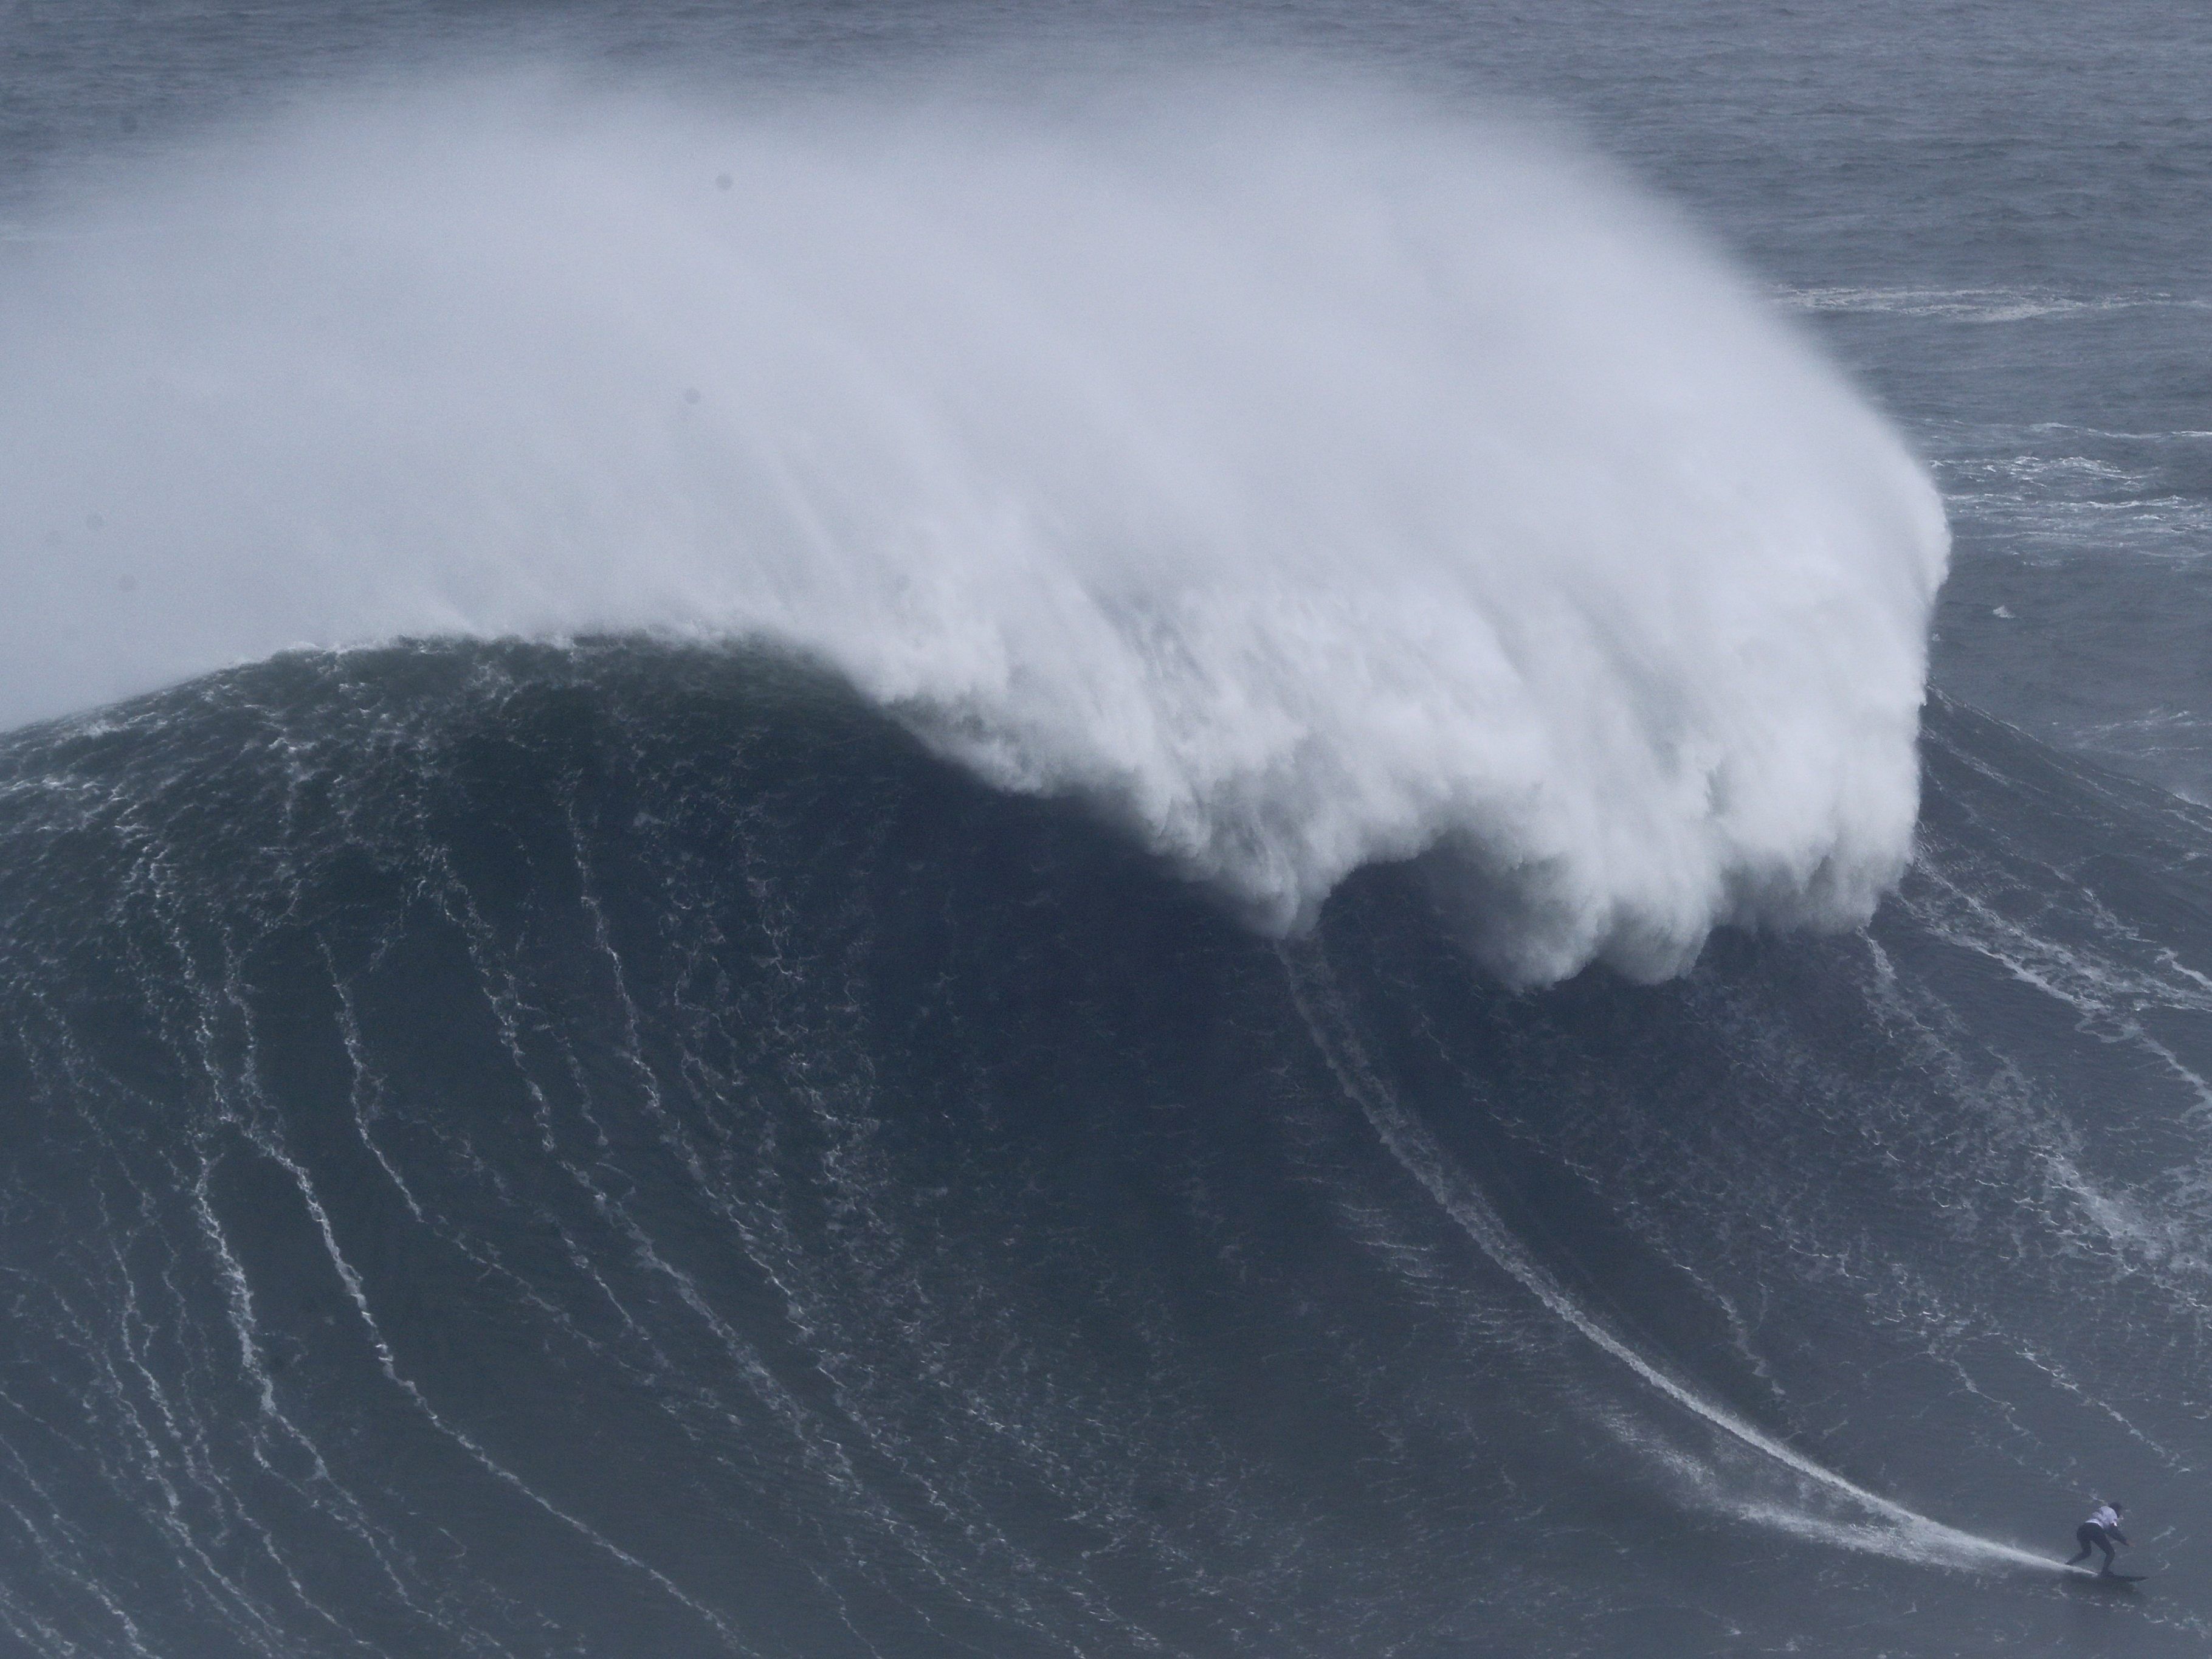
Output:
x,y
940,829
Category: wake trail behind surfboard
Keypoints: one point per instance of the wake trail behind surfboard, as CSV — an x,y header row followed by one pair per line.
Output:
x,y
1889,1527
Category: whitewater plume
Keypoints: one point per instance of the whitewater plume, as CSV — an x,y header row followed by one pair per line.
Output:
x,y
1305,477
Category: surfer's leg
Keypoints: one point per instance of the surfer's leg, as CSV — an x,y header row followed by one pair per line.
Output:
x,y
2086,1536
2106,1545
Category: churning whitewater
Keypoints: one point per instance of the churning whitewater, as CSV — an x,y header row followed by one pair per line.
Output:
x,y
1304,476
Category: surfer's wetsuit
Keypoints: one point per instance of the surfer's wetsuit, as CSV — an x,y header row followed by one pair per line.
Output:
x,y
2098,1532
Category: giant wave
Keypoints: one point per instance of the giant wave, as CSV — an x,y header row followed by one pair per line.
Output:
x,y
900,973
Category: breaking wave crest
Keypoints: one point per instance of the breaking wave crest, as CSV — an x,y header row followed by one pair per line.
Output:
x,y
1303,477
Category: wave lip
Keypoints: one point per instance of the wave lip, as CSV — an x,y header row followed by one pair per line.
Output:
x,y
1305,476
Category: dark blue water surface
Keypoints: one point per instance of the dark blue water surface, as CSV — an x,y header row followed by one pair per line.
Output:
x,y
608,1149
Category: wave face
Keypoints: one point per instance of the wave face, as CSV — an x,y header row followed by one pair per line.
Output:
x,y
1303,477
622,1149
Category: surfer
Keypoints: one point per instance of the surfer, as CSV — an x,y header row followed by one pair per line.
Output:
x,y
2101,1532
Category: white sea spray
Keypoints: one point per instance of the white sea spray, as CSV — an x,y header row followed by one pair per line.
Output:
x,y
1304,475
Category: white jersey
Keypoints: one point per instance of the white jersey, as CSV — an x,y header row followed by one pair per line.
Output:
x,y
2106,1516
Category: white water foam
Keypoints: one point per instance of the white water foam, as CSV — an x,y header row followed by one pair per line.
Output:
x,y
1304,475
